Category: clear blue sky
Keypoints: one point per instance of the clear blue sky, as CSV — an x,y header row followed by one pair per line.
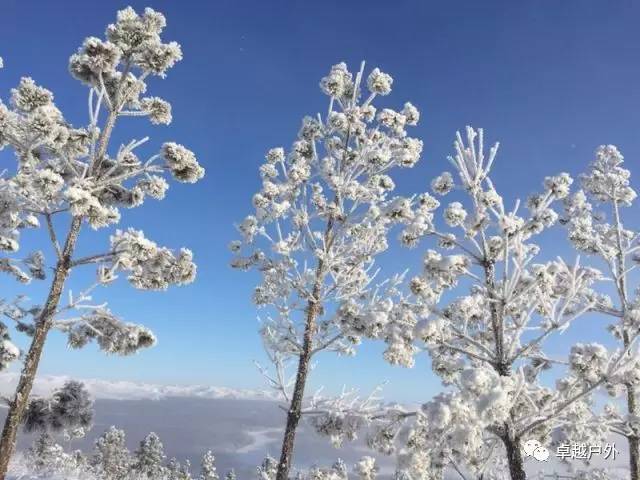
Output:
x,y
551,80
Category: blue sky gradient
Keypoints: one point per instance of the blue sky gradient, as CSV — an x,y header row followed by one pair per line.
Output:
x,y
550,80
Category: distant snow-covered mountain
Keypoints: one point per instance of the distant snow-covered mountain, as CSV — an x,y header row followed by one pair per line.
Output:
x,y
126,390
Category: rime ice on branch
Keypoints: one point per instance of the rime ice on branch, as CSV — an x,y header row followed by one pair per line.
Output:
x,y
67,177
321,216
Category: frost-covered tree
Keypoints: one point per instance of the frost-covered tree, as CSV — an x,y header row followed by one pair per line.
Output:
x,y
268,469
483,307
149,458
208,467
178,471
46,458
594,218
321,217
365,469
112,459
68,410
68,177
337,471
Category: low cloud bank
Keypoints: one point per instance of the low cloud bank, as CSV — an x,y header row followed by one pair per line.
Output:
x,y
126,390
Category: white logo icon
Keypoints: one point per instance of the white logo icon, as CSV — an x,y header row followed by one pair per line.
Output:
x,y
541,454
529,446
533,448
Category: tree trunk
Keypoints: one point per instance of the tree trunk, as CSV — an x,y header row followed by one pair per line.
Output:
x,y
43,324
634,440
295,408
634,461
503,368
496,316
514,456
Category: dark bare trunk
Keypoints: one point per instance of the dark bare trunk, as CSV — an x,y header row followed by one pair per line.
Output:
x,y
295,408
20,401
514,456
634,461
